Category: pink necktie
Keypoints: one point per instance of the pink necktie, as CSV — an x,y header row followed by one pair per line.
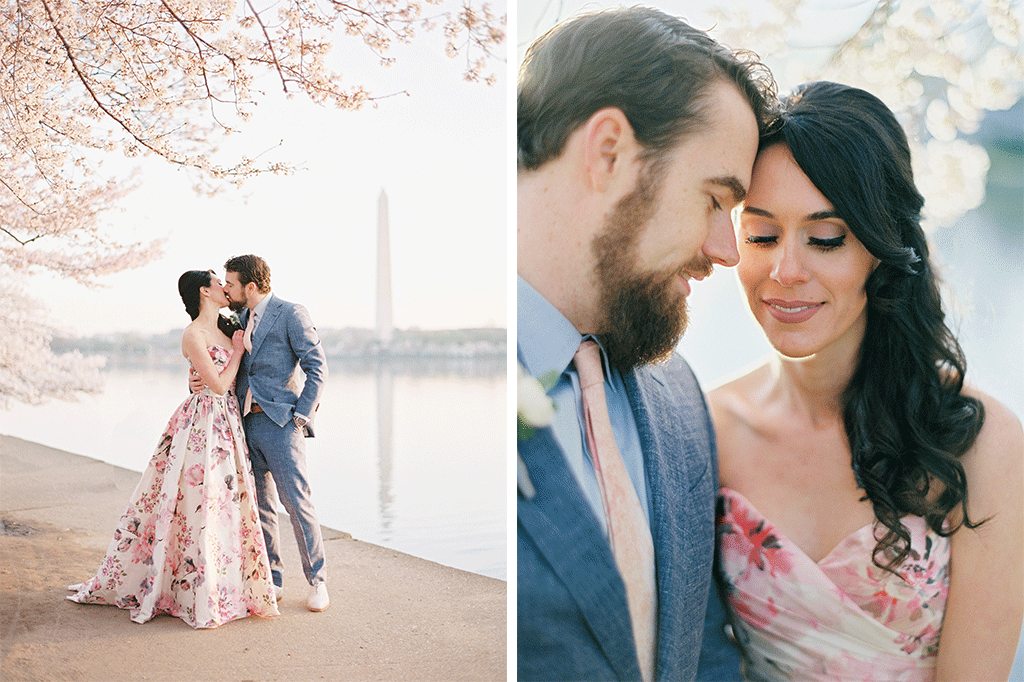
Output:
x,y
247,342
628,531
247,337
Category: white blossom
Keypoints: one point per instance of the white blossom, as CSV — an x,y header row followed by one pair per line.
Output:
x,y
83,82
534,408
29,371
144,77
939,64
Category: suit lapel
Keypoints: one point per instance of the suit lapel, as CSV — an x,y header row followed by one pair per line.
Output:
x,y
645,399
270,315
564,529
671,461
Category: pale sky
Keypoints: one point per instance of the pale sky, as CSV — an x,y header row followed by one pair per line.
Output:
x,y
827,21
439,153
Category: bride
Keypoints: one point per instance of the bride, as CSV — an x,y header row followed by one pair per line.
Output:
x,y
189,543
871,520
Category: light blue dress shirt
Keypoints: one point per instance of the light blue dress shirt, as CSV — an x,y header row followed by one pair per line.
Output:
x,y
258,311
547,342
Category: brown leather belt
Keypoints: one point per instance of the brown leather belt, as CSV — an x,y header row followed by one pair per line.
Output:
x,y
255,408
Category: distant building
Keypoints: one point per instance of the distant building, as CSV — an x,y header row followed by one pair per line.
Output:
x,y
385,327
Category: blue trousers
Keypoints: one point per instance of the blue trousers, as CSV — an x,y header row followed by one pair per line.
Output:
x,y
278,456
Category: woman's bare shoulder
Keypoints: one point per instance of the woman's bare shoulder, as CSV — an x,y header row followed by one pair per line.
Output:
x,y
1001,434
193,339
994,465
982,614
1001,427
734,396
733,411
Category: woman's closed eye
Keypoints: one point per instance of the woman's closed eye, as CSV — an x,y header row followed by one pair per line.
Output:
x,y
819,243
828,244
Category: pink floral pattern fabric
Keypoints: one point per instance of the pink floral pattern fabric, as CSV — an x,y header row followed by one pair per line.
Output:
x,y
841,618
190,543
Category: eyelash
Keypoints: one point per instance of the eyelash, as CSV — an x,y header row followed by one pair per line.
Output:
x,y
821,244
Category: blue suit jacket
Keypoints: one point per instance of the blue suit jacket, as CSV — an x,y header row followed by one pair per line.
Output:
x,y
573,620
284,341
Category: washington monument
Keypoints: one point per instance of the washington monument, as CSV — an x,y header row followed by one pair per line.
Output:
x,y
385,328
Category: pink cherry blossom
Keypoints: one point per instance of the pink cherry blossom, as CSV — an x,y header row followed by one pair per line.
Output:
x,y
86,83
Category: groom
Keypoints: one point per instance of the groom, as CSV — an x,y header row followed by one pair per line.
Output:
x,y
637,134
278,408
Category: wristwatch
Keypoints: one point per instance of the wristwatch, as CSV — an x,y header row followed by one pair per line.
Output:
x,y
300,421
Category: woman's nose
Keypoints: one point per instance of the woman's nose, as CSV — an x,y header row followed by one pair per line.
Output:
x,y
789,268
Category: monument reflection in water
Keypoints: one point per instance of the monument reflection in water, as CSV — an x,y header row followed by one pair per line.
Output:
x,y
411,455
438,482
385,426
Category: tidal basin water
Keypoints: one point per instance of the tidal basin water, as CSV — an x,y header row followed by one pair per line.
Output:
x,y
410,458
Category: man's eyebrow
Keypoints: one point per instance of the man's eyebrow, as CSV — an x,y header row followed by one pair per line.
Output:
x,y
731,182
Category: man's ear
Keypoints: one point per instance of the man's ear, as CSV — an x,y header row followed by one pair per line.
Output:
x,y
610,150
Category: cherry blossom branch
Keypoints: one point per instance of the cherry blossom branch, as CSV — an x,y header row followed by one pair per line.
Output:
x,y
15,238
87,83
270,44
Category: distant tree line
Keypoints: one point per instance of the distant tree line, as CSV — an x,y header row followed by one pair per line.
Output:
x,y
131,348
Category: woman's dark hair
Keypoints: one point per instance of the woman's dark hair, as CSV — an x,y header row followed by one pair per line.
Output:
x,y
906,417
653,67
189,285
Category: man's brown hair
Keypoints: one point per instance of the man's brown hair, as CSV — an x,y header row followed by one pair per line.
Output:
x,y
250,268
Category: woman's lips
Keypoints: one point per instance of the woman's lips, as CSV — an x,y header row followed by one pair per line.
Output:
x,y
792,312
686,284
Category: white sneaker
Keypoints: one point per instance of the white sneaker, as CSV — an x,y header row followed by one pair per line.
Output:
x,y
76,587
278,592
318,599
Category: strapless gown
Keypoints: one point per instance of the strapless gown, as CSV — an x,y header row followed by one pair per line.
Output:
x,y
190,543
841,618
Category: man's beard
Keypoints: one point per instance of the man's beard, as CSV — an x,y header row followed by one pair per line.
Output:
x,y
235,306
645,314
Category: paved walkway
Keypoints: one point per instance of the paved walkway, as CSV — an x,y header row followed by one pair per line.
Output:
x,y
392,616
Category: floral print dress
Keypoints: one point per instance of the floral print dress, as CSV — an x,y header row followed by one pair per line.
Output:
x,y
190,543
841,618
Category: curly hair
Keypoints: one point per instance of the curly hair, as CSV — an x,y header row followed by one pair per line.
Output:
x,y
250,268
906,417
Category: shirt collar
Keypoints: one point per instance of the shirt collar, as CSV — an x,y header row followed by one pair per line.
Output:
x,y
547,341
261,307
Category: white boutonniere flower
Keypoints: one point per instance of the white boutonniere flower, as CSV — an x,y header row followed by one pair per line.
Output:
x,y
534,410
232,317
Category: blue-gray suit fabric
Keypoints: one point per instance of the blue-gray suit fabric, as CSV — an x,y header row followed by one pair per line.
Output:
x,y
573,618
284,341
